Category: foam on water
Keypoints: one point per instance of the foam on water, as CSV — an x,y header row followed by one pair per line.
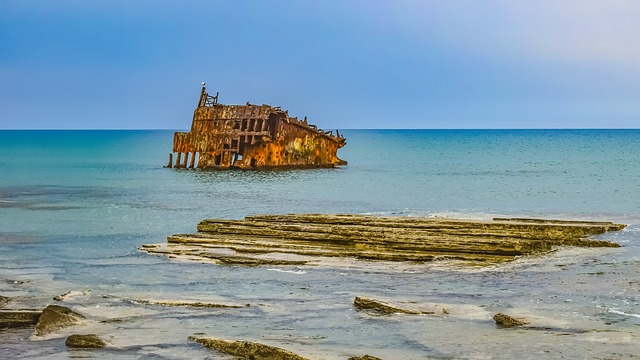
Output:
x,y
297,272
623,313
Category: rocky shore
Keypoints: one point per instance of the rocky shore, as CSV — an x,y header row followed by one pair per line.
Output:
x,y
299,239
55,320
304,239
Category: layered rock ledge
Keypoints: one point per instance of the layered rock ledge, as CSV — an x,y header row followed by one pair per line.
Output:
x,y
297,239
10,318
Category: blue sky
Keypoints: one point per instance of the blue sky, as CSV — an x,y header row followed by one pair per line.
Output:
x,y
344,64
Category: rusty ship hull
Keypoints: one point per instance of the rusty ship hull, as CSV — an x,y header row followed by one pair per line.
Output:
x,y
252,137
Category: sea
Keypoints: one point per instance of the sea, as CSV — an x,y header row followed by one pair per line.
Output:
x,y
76,206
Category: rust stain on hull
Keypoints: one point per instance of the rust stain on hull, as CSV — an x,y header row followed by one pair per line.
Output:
x,y
252,137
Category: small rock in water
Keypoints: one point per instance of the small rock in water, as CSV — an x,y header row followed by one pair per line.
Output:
x,y
508,321
13,282
365,357
383,307
56,317
247,349
85,341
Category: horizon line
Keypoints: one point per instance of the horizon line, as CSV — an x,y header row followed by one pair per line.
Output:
x,y
341,129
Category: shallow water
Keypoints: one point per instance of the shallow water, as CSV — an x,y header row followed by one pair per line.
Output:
x,y
76,205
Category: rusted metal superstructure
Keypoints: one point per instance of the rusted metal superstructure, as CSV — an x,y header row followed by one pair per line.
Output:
x,y
252,137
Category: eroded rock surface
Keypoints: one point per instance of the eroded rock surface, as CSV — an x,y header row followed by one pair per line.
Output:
x,y
4,301
56,317
247,349
279,239
85,341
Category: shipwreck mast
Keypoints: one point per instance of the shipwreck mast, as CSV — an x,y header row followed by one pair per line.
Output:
x,y
206,99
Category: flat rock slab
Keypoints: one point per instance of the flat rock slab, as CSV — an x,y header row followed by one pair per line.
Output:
x,y
247,349
10,318
279,239
56,317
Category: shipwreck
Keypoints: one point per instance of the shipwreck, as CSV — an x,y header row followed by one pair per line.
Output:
x,y
252,137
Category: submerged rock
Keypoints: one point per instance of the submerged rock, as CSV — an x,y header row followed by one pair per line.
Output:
x,y
190,303
508,321
85,341
364,357
247,349
197,254
72,295
13,282
4,301
56,317
18,318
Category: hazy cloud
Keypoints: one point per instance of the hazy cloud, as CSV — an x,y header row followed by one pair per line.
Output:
x,y
580,32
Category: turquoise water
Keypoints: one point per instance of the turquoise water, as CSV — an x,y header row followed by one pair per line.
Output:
x,y
76,205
